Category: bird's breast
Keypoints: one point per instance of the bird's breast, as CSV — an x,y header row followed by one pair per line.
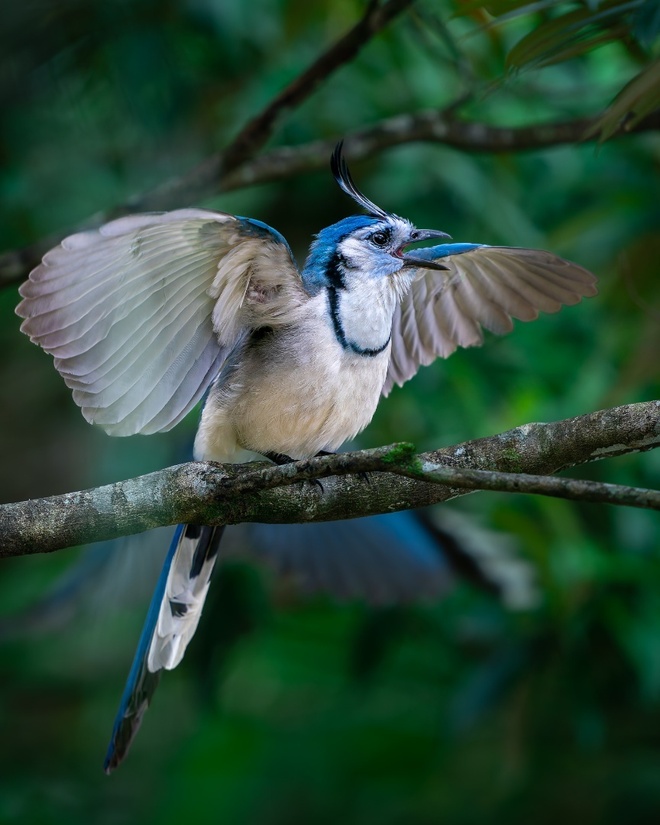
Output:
x,y
296,391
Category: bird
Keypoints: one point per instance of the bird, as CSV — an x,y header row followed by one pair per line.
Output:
x,y
151,313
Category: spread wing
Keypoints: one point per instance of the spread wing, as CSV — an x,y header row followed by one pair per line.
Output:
x,y
484,286
141,313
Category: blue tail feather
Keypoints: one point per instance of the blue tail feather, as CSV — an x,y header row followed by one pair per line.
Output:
x,y
129,714
142,682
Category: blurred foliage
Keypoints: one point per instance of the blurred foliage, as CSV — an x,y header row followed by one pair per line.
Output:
x,y
568,30
308,711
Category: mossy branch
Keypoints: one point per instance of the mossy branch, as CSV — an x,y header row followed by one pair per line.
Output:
x,y
207,493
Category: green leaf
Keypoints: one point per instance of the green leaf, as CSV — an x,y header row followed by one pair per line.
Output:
x,y
646,23
634,102
545,43
500,7
576,49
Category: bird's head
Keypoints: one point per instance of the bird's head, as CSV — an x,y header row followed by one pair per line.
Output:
x,y
368,246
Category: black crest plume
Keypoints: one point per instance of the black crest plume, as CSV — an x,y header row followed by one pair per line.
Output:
x,y
343,177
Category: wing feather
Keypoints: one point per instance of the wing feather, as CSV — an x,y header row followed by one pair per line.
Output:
x,y
141,313
485,286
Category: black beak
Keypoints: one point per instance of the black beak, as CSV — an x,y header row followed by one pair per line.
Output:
x,y
418,257
427,234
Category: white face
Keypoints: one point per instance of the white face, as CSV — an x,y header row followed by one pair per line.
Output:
x,y
376,251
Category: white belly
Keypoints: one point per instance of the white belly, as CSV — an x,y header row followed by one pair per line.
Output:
x,y
307,394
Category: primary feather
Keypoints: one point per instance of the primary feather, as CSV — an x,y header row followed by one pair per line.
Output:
x,y
484,286
141,314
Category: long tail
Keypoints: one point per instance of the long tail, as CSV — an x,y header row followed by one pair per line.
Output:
x,y
171,622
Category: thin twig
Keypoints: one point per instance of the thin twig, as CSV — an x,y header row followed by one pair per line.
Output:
x,y
364,461
572,489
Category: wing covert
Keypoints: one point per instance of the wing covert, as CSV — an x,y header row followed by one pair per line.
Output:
x,y
141,313
484,287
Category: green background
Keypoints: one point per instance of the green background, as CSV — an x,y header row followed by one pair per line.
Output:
x,y
291,710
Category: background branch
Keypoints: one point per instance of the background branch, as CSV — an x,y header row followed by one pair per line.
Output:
x,y
432,126
207,177
210,493
258,130
215,175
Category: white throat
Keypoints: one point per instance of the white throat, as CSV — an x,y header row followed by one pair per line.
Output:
x,y
362,314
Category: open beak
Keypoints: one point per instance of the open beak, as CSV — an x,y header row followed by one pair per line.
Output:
x,y
418,257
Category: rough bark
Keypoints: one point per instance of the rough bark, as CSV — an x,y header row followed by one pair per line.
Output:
x,y
398,479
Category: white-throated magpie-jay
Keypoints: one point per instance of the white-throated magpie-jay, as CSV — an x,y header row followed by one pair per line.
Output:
x,y
149,312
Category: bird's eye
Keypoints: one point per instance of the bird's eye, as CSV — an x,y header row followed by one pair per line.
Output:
x,y
380,238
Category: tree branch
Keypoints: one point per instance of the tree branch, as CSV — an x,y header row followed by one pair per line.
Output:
x,y
436,126
573,489
432,126
208,493
206,178
257,132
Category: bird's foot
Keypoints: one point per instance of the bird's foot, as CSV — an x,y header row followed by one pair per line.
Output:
x,y
279,458
363,475
282,458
